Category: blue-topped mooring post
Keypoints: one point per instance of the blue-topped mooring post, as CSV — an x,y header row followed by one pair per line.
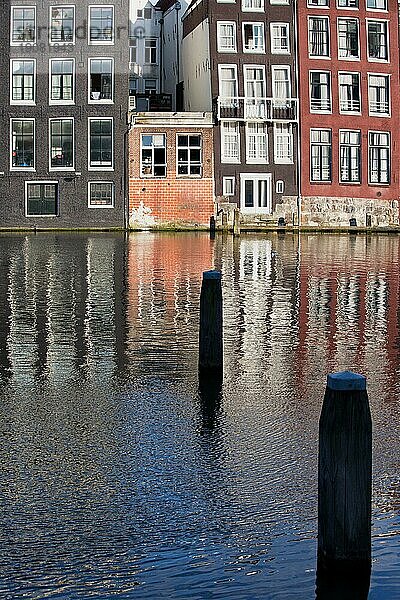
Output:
x,y
211,335
345,474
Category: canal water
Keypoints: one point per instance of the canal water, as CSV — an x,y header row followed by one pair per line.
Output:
x,y
120,477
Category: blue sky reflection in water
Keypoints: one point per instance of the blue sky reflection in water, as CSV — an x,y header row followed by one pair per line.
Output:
x,y
119,477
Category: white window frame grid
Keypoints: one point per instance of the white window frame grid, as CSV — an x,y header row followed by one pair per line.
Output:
x,y
224,186
279,186
279,2
101,167
341,110
189,162
230,125
371,112
100,101
233,99
250,8
260,139
165,164
346,7
255,105
61,43
254,24
42,182
101,206
150,48
326,19
279,49
320,146
388,146
62,169
354,20
328,109
62,102
23,169
233,49
281,101
288,157
374,59
318,3
349,145
385,9
23,42
256,178
22,102
101,42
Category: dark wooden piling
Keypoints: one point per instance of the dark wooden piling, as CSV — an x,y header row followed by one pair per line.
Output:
x,y
212,226
236,222
344,474
210,336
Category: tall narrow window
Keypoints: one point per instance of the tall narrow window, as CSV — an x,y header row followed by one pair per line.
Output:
x,y
253,37
101,24
62,81
23,25
23,144
378,46
348,46
230,144
61,144
378,95
133,51
256,143
318,36
150,51
41,199
101,79
62,24
280,38
350,156
281,88
153,156
320,91
379,157
254,85
283,143
349,92
228,90
23,81
321,155
226,36
189,155
100,143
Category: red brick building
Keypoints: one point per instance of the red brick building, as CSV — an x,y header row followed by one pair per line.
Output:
x,y
171,179
349,81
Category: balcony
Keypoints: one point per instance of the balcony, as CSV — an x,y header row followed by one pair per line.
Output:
x,y
256,109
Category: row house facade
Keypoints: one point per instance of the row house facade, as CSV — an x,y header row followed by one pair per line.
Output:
x,y
63,119
239,62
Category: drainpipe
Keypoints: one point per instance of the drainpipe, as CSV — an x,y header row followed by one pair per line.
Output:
x,y
126,173
161,22
297,77
178,7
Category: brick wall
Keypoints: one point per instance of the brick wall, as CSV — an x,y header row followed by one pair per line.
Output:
x,y
182,200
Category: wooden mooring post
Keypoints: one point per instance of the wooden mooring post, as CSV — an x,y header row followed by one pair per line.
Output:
x,y
210,335
344,475
236,222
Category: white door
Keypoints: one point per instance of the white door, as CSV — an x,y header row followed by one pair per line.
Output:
x,y
255,193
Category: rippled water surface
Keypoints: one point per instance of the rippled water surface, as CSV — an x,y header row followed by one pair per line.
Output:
x,y
120,476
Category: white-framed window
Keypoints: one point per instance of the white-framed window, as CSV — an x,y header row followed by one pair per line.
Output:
x,y
101,80
226,36
280,186
150,86
347,3
379,94
255,193
226,1
320,155
318,3
320,91
253,38
228,85
62,25
349,156
379,157
189,151
255,91
133,51
318,36
23,81
101,24
101,194
377,40
377,5
22,134
228,186
281,86
150,51
61,144
62,81
230,142
349,92
101,143
251,5
153,155
23,25
279,2
41,199
256,143
348,39
283,143
280,43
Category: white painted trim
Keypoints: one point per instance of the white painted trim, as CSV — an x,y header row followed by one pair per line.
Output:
x,y
62,102
62,44
23,102
23,43
101,167
23,169
101,42
102,206
256,177
90,101
62,169
40,182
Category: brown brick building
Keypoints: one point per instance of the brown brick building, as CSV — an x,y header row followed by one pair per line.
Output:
x,y
171,178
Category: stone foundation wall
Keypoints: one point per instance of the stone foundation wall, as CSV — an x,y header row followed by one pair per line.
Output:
x,y
337,212
287,209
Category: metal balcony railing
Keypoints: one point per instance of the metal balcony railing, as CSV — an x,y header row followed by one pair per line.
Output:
x,y
263,109
379,107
